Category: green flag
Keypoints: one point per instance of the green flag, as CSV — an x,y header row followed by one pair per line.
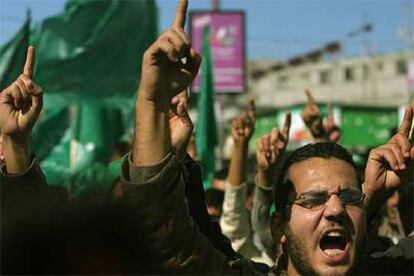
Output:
x,y
88,63
13,55
206,130
92,51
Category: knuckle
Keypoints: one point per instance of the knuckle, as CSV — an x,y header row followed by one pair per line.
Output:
x,y
177,29
15,90
394,146
147,52
29,84
169,33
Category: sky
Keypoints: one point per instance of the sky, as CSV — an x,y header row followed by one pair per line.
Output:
x,y
276,29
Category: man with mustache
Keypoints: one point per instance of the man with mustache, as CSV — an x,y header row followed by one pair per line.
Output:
x,y
321,209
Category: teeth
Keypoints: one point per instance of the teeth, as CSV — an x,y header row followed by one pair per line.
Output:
x,y
334,234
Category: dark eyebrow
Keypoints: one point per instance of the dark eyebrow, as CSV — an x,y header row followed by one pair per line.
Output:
x,y
313,192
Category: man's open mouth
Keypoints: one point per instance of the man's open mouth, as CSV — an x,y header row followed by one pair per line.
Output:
x,y
333,243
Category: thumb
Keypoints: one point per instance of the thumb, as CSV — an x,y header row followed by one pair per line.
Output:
x,y
182,112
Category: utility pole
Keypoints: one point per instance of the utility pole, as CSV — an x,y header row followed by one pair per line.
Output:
x,y
368,85
215,4
219,104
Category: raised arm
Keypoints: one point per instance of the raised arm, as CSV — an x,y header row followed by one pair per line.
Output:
x,y
20,106
153,202
26,203
270,149
390,166
312,118
235,220
242,130
164,75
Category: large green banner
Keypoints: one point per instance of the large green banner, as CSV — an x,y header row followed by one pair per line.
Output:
x,y
88,61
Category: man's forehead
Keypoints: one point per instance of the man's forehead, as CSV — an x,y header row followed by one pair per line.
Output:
x,y
317,172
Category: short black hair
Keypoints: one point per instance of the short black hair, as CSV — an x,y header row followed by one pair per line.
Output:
x,y
284,186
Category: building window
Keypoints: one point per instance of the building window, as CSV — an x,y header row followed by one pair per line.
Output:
x,y
380,66
325,77
365,71
401,67
349,74
283,80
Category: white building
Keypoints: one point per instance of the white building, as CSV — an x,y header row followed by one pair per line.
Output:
x,y
379,80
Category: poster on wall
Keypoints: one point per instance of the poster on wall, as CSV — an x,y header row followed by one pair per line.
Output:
x,y
227,43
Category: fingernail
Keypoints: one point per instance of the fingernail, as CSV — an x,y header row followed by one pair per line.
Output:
x,y
403,167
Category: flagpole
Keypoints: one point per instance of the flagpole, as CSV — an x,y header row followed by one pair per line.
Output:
x,y
220,99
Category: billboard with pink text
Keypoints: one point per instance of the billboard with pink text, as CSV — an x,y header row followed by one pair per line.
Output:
x,y
227,43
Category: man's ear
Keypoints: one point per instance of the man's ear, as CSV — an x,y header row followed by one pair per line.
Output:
x,y
276,228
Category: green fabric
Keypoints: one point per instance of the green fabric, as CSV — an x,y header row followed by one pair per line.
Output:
x,y
364,127
49,131
263,126
358,159
272,209
88,63
97,126
92,50
96,179
206,130
114,169
13,55
56,165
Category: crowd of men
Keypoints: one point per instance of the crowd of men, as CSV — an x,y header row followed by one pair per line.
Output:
x,y
330,218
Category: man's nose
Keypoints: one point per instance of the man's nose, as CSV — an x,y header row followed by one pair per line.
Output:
x,y
334,207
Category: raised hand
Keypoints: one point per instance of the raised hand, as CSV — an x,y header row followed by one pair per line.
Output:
x,y
20,106
243,126
181,126
270,148
312,118
168,67
21,102
391,165
170,64
242,130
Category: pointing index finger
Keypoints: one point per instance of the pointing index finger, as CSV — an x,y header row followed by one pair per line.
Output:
x,y
311,100
251,109
180,14
407,122
30,61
